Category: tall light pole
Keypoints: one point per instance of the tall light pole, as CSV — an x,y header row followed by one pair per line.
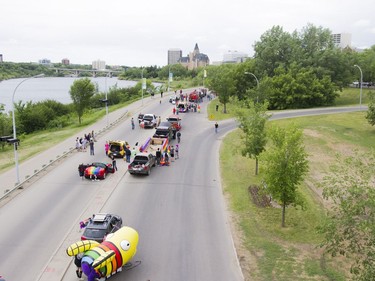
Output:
x,y
106,98
15,141
360,91
257,83
142,83
169,76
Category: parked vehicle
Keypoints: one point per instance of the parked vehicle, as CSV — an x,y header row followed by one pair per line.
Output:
x,y
100,225
142,164
153,144
117,148
175,120
183,107
165,130
194,96
149,121
98,170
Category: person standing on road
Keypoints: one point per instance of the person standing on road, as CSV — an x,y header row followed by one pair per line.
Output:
x,y
92,146
177,150
106,147
128,153
216,127
132,122
172,153
77,262
114,163
158,156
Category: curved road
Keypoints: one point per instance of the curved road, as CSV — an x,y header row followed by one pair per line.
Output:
x,y
178,210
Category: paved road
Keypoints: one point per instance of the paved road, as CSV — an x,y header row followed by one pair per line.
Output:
x,y
178,211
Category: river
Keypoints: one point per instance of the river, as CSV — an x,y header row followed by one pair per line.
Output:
x,y
55,88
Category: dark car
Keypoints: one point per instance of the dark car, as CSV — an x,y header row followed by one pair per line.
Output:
x,y
98,170
165,130
100,225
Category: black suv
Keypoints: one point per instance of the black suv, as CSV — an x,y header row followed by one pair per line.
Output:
x,y
100,225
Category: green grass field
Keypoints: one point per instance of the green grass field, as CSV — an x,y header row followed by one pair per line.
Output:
x,y
291,253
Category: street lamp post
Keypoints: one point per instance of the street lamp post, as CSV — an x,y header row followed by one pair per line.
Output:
x,y
142,83
106,99
15,142
257,83
360,91
169,77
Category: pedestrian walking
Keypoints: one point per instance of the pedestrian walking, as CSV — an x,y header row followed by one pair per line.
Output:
x,y
114,163
216,127
132,122
177,150
92,146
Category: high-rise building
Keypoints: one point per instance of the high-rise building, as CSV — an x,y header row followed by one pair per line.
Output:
x,y
234,57
98,64
65,61
342,40
174,56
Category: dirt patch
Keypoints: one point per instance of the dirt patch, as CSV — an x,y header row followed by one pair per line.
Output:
x,y
259,199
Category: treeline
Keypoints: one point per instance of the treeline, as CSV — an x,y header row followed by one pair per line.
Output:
x,y
293,70
51,114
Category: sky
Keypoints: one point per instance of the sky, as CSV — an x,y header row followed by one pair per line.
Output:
x,y
139,33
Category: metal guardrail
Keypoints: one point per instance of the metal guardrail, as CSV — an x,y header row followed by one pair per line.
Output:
x,y
58,157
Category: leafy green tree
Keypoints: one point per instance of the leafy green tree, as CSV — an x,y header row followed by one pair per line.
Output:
x,y
370,115
221,80
252,118
5,122
276,48
350,228
81,92
285,164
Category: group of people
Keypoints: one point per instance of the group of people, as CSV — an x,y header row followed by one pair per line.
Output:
x,y
163,158
86,141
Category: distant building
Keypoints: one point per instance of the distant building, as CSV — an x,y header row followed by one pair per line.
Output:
x,y
174,56
195,59
65,61
46,62
234,57
342,40
98,64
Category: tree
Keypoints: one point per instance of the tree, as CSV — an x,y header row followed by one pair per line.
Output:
x,y
252,118
221,80
285,164
370,115
350,228
81,92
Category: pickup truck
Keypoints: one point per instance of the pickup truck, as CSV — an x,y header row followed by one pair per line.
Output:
x,y
149,121
151,145
142,164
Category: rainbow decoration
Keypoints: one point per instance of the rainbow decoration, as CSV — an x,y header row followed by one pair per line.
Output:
x,y
145,145
165,145
92,170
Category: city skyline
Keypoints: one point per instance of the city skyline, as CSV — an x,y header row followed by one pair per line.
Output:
x,y
139,34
